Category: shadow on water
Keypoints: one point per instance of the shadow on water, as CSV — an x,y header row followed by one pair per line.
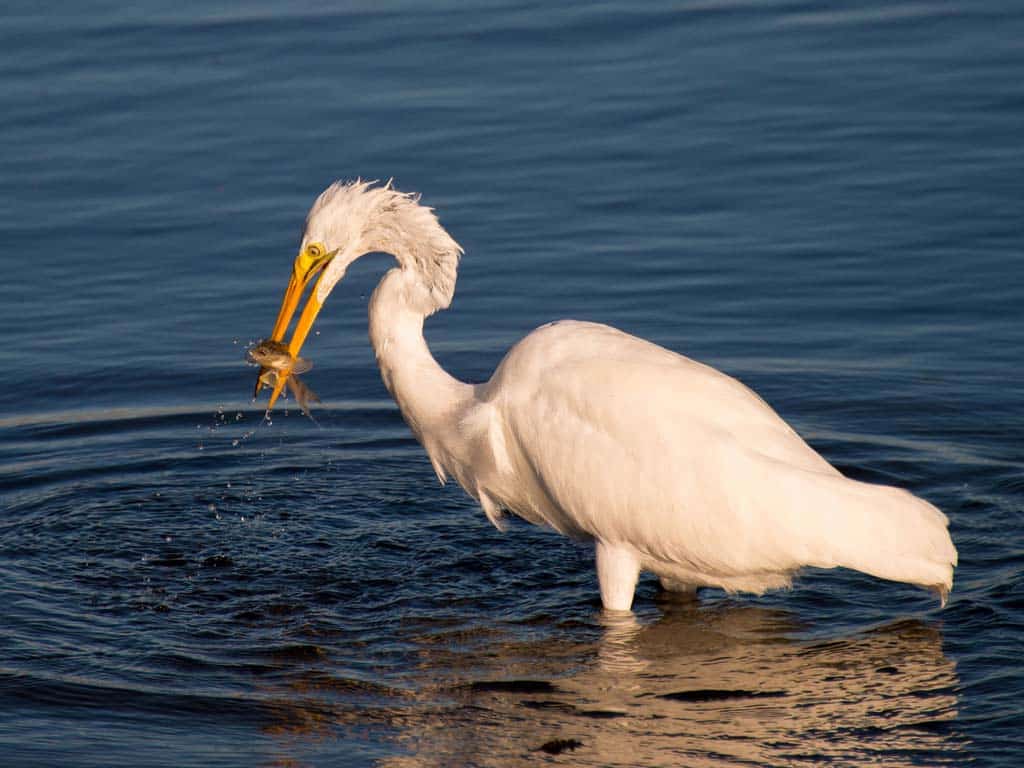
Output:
x,y
702,685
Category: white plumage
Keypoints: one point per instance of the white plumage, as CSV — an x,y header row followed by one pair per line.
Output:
x,y
667,465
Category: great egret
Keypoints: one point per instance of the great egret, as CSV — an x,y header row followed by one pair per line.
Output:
x,y
665,464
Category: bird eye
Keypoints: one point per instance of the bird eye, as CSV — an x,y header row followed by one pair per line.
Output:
x,y
314,251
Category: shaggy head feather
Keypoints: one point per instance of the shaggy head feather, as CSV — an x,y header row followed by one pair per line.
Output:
x,y
361,217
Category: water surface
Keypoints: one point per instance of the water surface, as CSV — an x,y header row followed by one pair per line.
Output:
x,y
823,201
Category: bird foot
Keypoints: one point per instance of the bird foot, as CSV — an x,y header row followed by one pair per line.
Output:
x,y
679,590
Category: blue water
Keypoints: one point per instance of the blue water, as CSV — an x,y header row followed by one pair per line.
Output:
x,y
822,199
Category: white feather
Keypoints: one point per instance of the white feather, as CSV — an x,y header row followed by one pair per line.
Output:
x,y
666,464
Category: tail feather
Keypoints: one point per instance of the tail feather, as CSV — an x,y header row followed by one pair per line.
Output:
x,y
884,531
892,534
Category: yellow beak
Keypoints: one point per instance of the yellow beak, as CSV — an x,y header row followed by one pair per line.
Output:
x,y
302,274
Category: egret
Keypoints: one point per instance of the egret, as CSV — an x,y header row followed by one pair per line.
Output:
x,y
664,464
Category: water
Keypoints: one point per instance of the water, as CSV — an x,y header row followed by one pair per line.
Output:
x,y
823,200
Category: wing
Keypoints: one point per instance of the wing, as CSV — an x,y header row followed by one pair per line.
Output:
x,y
610,380
614,438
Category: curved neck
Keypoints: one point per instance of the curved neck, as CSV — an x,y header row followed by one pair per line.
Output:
x,y
430,399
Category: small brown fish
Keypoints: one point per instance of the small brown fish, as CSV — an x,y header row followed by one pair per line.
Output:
x,y
274,360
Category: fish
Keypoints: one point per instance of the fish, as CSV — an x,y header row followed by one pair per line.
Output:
x,y
275,361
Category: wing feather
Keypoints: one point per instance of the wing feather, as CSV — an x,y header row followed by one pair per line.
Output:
x,y
613,438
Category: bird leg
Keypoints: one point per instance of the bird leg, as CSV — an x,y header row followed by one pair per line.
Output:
x,y
618,569
677,587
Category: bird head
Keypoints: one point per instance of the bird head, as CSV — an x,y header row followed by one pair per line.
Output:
x,y
328,239
348,220
332,237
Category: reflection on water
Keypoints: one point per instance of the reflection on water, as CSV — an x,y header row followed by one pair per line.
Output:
x,y
702,685
822,199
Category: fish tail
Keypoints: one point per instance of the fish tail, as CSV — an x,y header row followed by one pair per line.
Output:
x,y
303,394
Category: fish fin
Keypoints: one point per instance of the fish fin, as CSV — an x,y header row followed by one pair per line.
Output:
x,y
301,365
266,378
303,395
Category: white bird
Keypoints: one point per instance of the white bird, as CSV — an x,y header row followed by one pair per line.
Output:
x,y
665,464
